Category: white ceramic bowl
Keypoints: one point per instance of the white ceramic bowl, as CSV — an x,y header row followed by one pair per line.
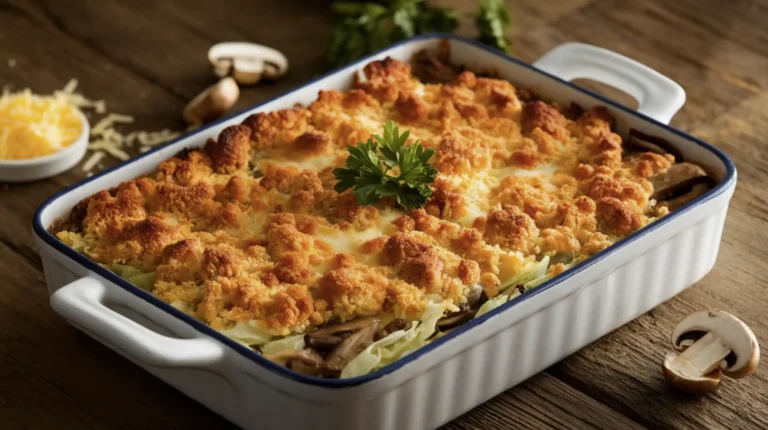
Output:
x,y
46,166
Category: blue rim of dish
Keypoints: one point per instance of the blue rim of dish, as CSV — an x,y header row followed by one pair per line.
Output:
x,y
51,240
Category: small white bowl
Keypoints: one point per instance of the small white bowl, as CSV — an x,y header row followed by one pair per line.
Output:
x,y
32,169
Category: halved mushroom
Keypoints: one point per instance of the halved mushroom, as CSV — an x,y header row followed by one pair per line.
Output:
x,y
677,180
640,141
722,344
330,337
246,62
351,346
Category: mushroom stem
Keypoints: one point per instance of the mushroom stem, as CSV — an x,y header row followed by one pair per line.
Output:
x,y
706,354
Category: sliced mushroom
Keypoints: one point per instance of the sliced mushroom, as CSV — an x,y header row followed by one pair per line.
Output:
x,y
696,191
306,361
247,62
307,356
314,369
453,319
351,347
330,337
323,342
677,180
212,102
722,344
466,311
640,141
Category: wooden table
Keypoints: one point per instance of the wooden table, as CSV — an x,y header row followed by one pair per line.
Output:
x,y
147,59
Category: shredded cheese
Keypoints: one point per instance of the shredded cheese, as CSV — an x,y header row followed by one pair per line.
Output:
x,y
93,160
68,94
34,126
105,139
105,124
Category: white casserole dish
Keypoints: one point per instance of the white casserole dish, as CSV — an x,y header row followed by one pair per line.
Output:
x,y
457,372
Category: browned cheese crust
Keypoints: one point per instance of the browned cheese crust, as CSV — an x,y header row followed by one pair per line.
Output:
x,y
249,226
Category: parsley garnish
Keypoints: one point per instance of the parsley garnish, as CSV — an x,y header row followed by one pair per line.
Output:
x,y
364,27
491,21
385,166
360,28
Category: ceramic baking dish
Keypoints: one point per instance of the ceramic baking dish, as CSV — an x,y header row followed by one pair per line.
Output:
x,y
473,363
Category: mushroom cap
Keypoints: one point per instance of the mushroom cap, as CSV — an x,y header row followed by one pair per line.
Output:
x,y
247,62
685,377
730,330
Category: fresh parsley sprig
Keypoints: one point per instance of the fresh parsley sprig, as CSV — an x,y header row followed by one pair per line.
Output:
x,y
491,21
362,27
385,166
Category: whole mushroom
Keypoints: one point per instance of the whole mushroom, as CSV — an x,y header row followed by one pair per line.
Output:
x,y
212,103
711,343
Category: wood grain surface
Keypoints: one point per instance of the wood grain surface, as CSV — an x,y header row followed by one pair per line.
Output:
x,y
147,59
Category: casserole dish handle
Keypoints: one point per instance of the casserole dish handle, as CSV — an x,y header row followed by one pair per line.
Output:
x,y
658,96
83,304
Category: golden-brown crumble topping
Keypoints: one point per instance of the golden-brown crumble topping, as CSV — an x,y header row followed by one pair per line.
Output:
x,y
250,228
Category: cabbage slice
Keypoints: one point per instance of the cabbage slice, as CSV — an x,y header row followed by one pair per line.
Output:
x,y
285,344
124,271
248,333
143,280
397,344
531,276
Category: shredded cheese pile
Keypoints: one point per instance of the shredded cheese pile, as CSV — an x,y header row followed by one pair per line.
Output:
x,y
104,139
34,126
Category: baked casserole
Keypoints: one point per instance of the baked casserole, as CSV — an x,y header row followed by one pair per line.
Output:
x,y
251,235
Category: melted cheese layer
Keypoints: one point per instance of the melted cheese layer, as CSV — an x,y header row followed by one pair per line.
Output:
x,y
250,229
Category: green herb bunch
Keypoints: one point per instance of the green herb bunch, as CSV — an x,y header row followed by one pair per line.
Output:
x,y
385,166
491,21
364,27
